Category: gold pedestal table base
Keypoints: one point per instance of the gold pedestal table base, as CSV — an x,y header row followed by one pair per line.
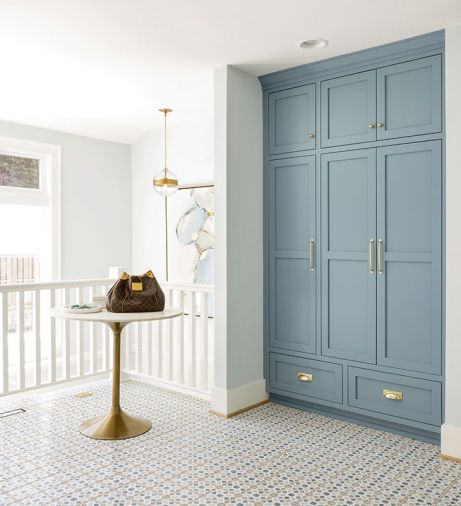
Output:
x,y
116,424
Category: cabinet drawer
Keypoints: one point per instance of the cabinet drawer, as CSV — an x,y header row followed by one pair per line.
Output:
x,y
305,377
391,394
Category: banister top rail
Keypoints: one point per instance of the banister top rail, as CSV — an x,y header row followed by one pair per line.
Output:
x,y
26,287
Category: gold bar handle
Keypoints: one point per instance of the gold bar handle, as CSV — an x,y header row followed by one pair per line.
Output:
x,y
305,376
311,254
370,256
393,395
380,245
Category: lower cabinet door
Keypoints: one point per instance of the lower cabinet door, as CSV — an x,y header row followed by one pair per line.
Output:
x,y
391,394
306,378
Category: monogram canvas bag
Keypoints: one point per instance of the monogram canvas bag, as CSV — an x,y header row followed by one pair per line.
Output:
x,y
135,294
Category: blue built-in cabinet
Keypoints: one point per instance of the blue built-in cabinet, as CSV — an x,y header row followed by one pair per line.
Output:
x,y
354,199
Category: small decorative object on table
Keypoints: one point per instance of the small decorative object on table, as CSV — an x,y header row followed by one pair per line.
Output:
x,y
82,308
135,294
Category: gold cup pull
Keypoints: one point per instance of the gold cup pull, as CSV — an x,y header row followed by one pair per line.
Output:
x,y
380,125
305,376
311,254
370,256
393,395
371,125
311,136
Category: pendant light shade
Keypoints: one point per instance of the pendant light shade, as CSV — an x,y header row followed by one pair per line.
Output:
x,y
165,182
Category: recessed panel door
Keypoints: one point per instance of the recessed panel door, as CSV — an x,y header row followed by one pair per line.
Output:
x,y
410,98
292,120
348,109
348,192
409,257
292,254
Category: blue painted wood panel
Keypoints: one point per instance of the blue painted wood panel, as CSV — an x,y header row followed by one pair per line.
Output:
x,y
421,399
409,314
348,109
348,216
292,220
292,120
326,381
410,98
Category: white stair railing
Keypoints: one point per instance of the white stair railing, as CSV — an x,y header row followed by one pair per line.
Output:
x,y
37,350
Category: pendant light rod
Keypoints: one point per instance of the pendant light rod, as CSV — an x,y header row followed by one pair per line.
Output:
x,y
165,111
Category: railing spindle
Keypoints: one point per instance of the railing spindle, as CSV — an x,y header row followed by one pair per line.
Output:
x,y
149,348
170,338
53,339
22,368
193,343
38,340
5,360
81,335
180,338
204,317
159,349
67,336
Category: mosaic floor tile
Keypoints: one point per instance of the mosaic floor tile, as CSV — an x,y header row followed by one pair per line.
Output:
x,y
272,455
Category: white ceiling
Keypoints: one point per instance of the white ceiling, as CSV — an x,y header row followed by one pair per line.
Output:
x,y
102,67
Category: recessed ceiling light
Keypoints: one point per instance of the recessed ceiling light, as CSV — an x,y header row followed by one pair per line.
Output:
x,y
313,44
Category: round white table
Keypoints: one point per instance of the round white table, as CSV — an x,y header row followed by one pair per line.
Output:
x,y
116,424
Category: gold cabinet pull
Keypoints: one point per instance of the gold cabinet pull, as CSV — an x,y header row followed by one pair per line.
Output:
x,y
311,136
305,376
380,245
370,256
380,125
393,395
311,254
371,125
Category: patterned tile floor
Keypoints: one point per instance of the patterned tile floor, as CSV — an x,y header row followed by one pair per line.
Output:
x,y
270,455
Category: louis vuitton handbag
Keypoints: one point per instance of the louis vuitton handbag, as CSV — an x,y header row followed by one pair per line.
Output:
x,y
135,294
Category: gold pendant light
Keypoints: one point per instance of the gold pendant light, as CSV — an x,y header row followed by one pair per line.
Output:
x,y
165,181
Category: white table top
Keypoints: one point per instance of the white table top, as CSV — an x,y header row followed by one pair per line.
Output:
x,y
108,317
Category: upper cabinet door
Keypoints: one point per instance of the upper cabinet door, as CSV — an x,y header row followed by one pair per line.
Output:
x,y
292,120
292,254
410,98
409,256
348,109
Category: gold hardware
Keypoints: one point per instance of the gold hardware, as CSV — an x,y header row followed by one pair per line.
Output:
x,y
371,125
149,274
165,110
124,275
380,125
305,376
136,286
380,244
165,181
311,136
370,256
393,395
311,254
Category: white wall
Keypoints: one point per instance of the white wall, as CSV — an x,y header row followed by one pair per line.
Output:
x,y
95,199
451,430
239,244
190,157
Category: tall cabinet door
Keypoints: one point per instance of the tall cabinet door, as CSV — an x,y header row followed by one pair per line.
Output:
x,y
292,120
348,193
292,268
409,246
410,98
348,109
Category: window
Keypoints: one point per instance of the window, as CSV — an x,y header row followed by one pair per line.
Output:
x,y
29,211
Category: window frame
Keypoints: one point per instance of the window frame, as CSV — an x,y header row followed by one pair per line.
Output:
x,y
48,193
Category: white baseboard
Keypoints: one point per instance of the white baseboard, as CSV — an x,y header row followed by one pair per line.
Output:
x,y
228,402
451,441
183,389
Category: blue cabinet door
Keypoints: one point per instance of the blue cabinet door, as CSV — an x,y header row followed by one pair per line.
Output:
x,y
292,120
348,109
348,215
292,268
409,317
410,98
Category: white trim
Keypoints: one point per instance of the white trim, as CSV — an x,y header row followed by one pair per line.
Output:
x,y
50,154
226,402
451,441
